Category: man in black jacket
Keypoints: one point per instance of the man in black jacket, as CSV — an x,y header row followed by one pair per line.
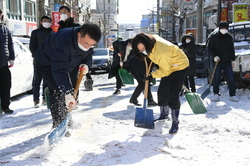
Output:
x,y
58,56
67,22
37,38
7,57
221,48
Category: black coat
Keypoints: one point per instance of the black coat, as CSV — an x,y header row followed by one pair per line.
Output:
x,y
61,52
67,24
119,47
221,46
190,49
37,37
6,46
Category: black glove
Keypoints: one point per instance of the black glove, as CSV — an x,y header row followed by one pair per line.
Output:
x,y
148,78
154,67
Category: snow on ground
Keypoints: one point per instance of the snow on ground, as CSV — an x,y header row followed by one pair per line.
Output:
x,y
104,132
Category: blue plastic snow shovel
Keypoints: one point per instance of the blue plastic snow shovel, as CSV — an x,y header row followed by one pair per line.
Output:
x,y
207,91
58,133
144,117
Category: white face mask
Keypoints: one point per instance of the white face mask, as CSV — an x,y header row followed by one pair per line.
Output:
x,y
145,52
188,40
46,24
223,31
82,48
63,17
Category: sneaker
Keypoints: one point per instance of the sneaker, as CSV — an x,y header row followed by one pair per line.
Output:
x,y
135,102
36,103
117,92
234,98
215,98
152,103
7,111
162,117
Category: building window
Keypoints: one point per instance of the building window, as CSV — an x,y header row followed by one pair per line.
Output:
x,y
13,9
29,11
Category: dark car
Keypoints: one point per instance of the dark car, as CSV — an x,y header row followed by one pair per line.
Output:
x,y
102,59
201,58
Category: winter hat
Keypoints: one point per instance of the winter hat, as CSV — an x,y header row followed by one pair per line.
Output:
x,y
223,24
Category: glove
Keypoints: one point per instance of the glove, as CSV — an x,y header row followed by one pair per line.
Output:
x,y
121,64
154,67
11,63
86,68
148,78
70,101
216,59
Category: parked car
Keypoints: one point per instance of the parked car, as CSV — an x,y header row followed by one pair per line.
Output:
x,y
102,59
22,71
201,58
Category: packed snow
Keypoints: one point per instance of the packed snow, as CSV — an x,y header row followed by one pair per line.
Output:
x,y
103,133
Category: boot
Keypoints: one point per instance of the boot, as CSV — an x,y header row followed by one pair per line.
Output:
x,y
175,122
164,113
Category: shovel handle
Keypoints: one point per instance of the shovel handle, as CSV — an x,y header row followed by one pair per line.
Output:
x,y
71,105
147,81
185,88
211,81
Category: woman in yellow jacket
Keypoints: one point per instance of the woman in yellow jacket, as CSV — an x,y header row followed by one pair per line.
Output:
x,y
172,69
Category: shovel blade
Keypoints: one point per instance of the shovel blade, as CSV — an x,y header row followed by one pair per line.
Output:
x,y
206,93
125,76
144,118
58,133
195,103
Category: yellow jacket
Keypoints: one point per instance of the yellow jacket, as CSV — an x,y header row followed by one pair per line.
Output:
x,y
168,57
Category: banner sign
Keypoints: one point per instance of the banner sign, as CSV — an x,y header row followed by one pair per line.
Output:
x,y
240,12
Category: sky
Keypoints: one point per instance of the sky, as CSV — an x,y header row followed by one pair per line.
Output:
x,y
130,11
103,132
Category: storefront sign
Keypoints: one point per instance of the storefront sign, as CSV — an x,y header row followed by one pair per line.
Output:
x,y
240,12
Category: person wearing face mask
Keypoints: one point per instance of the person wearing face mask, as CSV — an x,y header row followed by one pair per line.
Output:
x,y
37,38
172,69
221,47
134,66
7,57
66,21
58,56
189,47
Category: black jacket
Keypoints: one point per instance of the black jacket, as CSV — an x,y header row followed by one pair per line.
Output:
x,y
6,46
190,49
222,46
61,52
37,38
119,47
67,24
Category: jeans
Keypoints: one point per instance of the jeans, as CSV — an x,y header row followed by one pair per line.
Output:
x,y
227,68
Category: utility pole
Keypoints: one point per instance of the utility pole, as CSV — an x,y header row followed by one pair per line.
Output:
x,y
173,22
219,12
104,27
199,32
158,17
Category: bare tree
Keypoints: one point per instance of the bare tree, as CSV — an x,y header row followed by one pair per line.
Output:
x,y
41,10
